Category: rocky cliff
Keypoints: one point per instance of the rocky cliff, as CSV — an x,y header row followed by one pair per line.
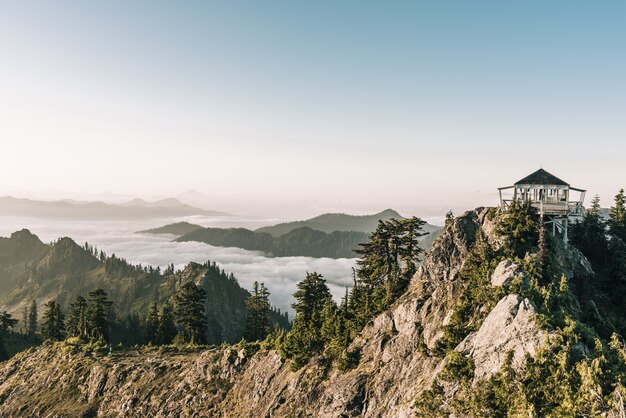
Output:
x,y
400,355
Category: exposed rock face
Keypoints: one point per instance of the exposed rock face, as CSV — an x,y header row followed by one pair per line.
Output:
x,y
396,364
506,272
509,327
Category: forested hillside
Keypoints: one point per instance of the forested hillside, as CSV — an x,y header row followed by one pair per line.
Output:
x,y
62,271
303,241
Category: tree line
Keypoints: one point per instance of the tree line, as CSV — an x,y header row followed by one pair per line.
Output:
x,y
90,319
184,322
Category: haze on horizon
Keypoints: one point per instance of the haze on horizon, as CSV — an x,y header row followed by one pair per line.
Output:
x,y
360,105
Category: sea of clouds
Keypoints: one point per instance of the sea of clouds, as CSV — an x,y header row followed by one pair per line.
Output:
x,y
280,274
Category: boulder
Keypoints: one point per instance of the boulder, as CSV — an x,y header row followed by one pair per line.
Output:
x,y
506,272
509,327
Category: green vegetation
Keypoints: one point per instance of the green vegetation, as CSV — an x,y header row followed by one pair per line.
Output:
x,y
65,272
98,305
189,313
6,323
31,325
520,229
477,296
77,320
388,262
582,369
333,235
258,318
151,330
167,327
53,325
302,241
617,217
305,338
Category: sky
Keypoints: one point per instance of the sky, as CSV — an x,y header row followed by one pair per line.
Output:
x,y
420,106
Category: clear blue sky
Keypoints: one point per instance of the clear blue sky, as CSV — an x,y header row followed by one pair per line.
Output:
x,y
388,103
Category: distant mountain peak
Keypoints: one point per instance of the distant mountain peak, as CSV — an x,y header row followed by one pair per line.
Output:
x,y
23,234
390,212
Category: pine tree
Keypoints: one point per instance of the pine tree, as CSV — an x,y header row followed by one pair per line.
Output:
x,y
449,218
152,325
257,318
32,320
305,338
53,326
520,228
595,208
77,318
98,305
330,317
589,235
24,327
6,323
617,217
189,311
387,262
167,327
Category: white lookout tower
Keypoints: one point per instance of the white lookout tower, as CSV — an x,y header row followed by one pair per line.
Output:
x,y
551,196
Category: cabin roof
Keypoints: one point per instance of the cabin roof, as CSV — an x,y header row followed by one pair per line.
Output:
x,y
541,176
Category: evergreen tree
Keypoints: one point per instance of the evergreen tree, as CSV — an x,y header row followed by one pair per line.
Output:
x,y
617,217
167,327
98,305
152,325
257,318
6,323
595,208
52,326
387,263
77,318
189,311
449,218
589,235
32,320
330,317
305,338
520,228
24,327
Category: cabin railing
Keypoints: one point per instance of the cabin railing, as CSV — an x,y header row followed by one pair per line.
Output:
x,y
551,207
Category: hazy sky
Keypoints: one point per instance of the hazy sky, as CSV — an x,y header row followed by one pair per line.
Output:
x,y
357,103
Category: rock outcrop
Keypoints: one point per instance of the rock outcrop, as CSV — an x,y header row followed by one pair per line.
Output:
x,y
506,272
509,327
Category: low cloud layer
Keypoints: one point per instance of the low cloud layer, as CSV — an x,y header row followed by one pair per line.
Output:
x,y
280,274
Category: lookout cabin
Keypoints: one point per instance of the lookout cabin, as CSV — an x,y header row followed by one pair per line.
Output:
x,y
554,198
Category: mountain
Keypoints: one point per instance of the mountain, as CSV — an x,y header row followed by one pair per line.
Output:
x,y
178,228
302,241
62,270
331,222
330,235
163,203
70,209
489,327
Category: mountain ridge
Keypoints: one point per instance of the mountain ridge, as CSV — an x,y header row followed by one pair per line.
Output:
x,y
63,270
63,209
331,222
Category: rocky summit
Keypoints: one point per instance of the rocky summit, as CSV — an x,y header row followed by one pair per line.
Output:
x,y
442,349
